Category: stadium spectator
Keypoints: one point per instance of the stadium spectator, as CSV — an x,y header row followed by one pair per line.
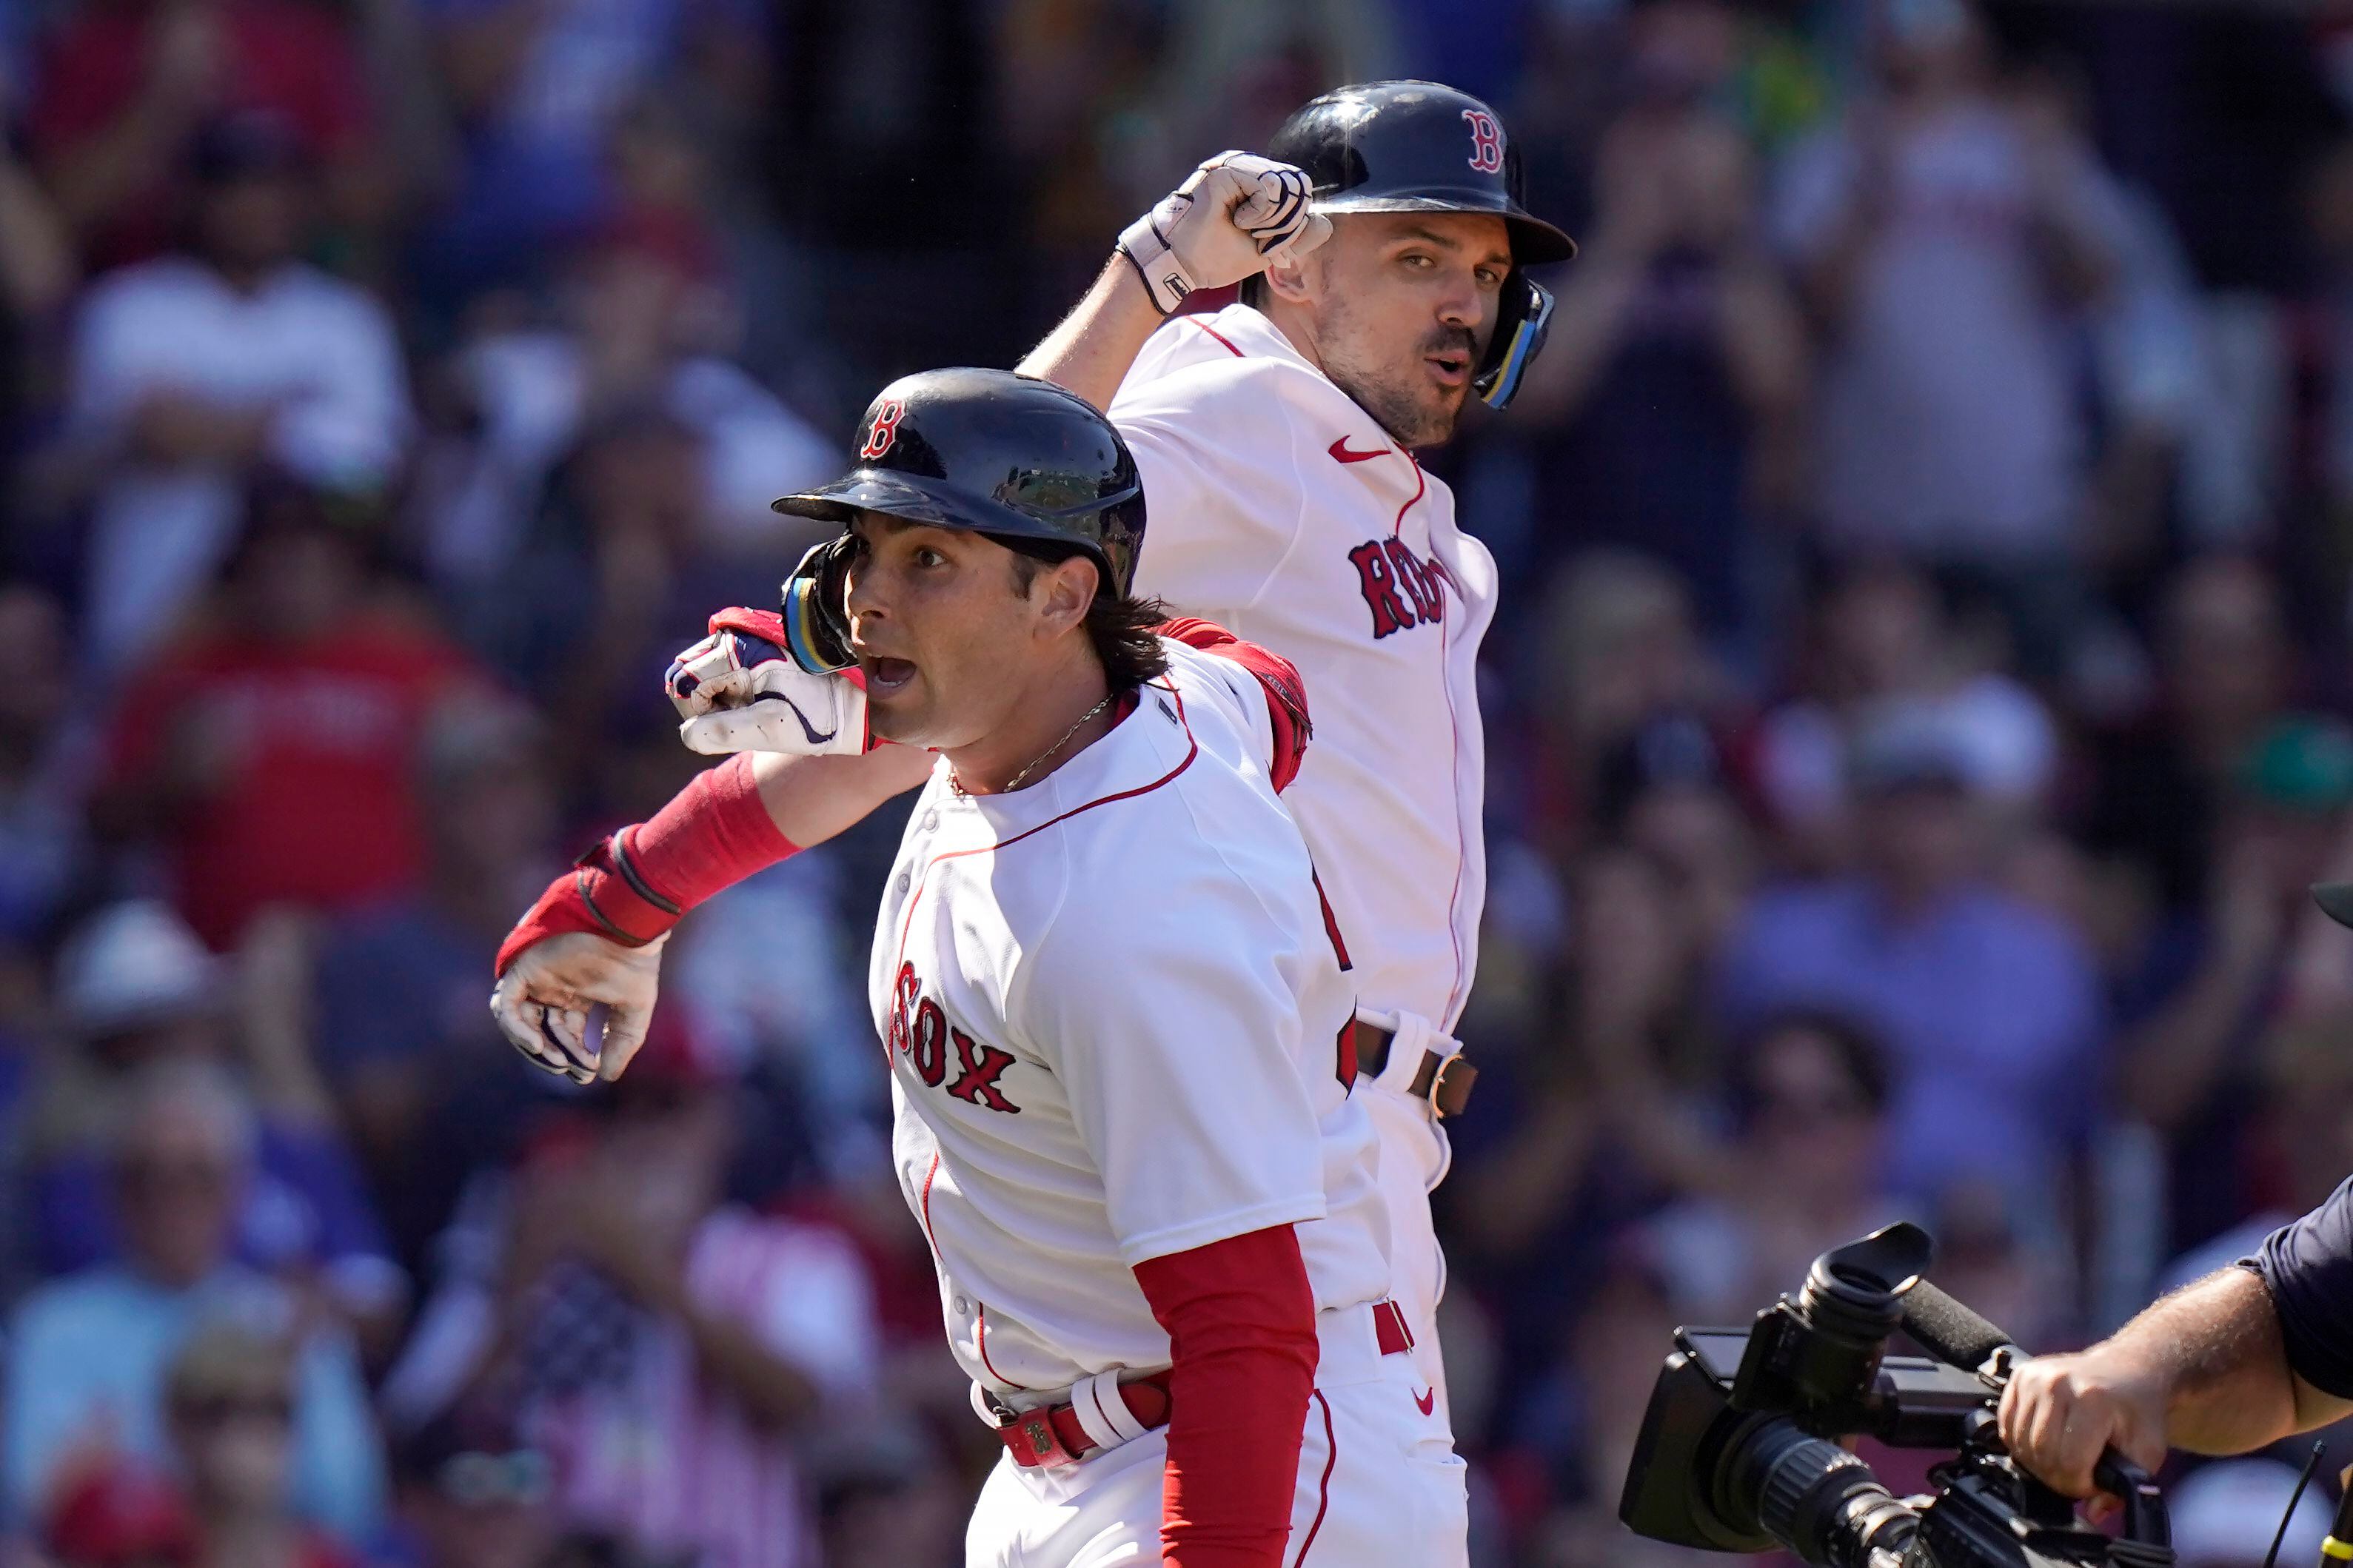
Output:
x,y
644,335
2209,987
137,991
1678,357
658,1344
1806,1172
89,1356
193,372
471,1494
1940,237
1880,635
2158,782
537,91
229,1399
1990,1008
125,91
283,767
406,1046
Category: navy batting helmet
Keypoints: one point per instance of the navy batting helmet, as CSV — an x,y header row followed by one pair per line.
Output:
x,y
1021,461
1421,146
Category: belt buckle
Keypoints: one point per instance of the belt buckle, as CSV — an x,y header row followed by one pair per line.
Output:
x,y
1030,1434
1437,1085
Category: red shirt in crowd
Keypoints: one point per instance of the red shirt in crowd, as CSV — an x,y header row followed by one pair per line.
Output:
x,y
280,56
314,802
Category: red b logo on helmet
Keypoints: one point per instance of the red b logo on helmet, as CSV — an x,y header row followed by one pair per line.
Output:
x,y
885,431
1486,141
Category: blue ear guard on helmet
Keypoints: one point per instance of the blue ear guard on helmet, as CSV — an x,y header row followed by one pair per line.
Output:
x,y
1524,316
816,607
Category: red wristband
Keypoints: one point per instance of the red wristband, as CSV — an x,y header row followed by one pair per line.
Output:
x,y
634,886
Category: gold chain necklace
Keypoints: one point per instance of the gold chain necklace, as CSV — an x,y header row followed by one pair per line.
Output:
x,y
1015,783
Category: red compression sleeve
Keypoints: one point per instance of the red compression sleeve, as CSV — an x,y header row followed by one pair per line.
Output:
x,y
1241,1330
634,886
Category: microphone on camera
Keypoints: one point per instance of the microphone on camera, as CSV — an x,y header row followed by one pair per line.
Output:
x,y
1951,1332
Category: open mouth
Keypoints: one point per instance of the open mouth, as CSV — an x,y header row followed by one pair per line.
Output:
x,y
885,676
1449,370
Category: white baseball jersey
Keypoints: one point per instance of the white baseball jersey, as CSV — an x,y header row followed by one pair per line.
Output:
x,y
1281,510
1113,1011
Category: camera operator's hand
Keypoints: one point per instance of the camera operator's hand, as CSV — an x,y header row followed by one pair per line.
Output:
x,y
2060,1412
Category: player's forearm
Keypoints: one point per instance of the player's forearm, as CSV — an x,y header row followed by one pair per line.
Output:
x,y
1091,351
1241,1317
2216,1348
812,799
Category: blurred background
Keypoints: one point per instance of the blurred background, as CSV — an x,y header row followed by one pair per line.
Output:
x,y
1916,714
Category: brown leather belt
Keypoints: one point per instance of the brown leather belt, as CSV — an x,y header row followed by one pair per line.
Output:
x,y
1051,1435
1444,1081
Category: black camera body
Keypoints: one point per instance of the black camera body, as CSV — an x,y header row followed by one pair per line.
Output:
x,y
1739,1448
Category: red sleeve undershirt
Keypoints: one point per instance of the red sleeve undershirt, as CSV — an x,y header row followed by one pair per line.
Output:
x,y
1279,679
1241,1330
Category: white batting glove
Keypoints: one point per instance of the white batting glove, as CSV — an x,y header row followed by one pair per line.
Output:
x,y
738,690
1234,216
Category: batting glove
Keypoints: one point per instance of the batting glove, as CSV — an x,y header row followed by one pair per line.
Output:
x,y
1236,216
738,690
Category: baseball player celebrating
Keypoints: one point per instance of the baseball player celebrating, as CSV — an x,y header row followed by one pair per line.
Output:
x,y
1276,440
1381,251
1114,1004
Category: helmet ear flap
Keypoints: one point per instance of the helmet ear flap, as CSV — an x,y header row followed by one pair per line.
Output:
x,y
816,608
1524,315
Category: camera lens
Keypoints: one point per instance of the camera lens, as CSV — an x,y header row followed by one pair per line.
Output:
x,y
1815,1498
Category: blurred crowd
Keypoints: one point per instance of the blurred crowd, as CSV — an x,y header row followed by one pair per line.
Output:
x,y
1916,713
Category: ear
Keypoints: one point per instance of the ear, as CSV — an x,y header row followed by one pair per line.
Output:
x,y
1062,593
1288,279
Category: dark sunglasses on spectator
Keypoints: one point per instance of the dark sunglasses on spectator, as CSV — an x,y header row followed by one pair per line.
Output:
x,y
220,1409
478,1480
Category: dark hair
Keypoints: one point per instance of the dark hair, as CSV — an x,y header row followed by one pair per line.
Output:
x,y
1124,630
1861,1057
1253,292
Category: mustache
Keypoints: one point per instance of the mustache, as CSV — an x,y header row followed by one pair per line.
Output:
x,y
1446,338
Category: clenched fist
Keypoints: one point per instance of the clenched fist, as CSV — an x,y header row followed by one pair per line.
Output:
x,y
1231,217
2061,1412
542,1000
737,690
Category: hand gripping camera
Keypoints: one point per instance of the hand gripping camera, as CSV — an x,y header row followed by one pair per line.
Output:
x,y
1739,1448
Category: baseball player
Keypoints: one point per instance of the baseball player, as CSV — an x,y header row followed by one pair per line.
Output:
x,y
1381,249
1276,439
1114,1005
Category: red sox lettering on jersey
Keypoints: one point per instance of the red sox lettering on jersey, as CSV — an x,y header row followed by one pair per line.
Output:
x,y
1284,512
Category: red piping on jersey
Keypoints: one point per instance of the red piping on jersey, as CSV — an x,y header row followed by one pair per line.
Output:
x,y
1462,849
1192,750
1421,489
1219,335
928,1177
981,1313
1324,1487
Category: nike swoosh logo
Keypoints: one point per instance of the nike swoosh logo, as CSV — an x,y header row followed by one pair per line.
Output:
x,y
806,728
1340,452
1427,1399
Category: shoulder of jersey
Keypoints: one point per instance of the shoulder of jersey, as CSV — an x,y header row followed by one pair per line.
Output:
x,y
1225,349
